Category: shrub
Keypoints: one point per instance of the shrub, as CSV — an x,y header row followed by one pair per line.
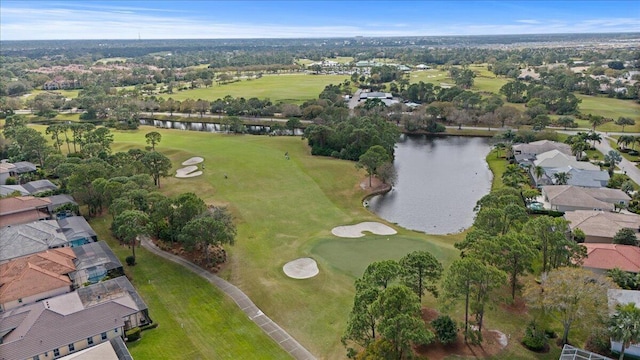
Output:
x,y
445,328
132,334
131,260
599,342
535,339
149,326
11,181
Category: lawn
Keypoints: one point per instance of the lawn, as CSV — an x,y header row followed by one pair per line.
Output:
x,y
290,88
609,108
352,256
69,94
189,311
432,76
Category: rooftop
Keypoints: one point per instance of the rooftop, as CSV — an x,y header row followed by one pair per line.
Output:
x,y
542,146
35,274
601,223
30,238
611,256
574,196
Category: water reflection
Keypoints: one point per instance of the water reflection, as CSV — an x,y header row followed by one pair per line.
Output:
x,y
439,182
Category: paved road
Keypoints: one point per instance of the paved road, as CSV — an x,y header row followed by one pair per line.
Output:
x,y
626,166
267,325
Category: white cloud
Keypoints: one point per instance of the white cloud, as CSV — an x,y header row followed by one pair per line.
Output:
x,y
118,22
528,21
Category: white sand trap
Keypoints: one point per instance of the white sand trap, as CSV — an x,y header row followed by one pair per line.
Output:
x,y
302,268
356,231
188,172
193,161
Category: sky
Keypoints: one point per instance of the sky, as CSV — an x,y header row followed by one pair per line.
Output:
x,y
204,19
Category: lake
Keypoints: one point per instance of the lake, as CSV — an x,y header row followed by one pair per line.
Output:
x,y
439,182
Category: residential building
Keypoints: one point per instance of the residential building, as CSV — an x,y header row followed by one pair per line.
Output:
x,y
36,277
30,238
56,201
39,186
89,316
603,257
557,159
23,209
6,190
576,177
94,262
570,198
114,349
24,239
539,147
601,226
77,230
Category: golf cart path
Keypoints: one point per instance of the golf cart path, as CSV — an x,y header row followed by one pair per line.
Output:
x,y
279,335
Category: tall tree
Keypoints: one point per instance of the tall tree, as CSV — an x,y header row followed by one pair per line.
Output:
x,y
561,178
157,164
624,326
400,322
128,225
206,230
475,281
571,296
553,240
372,159
420,272
624,121
153,138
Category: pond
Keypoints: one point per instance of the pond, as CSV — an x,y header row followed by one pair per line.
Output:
x,y
439,182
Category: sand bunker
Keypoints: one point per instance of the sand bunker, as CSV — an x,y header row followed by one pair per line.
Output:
x,y
356,231
302,268
188,172
193,161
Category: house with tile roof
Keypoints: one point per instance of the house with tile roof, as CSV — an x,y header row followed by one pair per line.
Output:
x,y
542,146
557,159
601,226
577,177
603,257
88,319
23,209
36,277
24,239
30,238
570,198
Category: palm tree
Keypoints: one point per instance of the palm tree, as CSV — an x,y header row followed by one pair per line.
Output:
x,y
625,140
561,178
514,176
613,158
596,120
624,326
538,171
578,147
594,136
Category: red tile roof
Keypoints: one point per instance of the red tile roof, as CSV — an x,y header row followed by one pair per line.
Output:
x,y
610,256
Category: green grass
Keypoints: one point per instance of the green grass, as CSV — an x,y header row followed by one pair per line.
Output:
x,y
498,165
352,256
291,88
609,108
433,76
69,94
191,313
284,209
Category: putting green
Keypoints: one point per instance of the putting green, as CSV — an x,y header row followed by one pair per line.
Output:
x,y
352,256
